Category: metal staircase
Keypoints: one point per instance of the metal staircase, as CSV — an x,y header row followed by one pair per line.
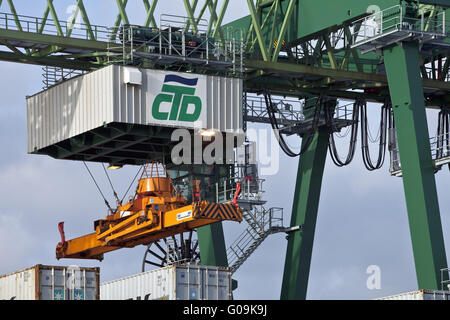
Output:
x,y
262,223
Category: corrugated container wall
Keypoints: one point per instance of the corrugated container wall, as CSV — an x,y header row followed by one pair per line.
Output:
x,y
51,283
127,95
191,282
420,295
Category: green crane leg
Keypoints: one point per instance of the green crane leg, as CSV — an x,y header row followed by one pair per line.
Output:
x,y
212,245
405,83
304,212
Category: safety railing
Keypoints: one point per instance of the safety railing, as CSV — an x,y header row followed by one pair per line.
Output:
x,y
400,18
251,190
344,110
62,28
54,75
175,44
445,282
440,147
286,110
440,152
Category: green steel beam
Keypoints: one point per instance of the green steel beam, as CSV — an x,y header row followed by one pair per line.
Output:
x,y
405,83
444,3
218,25
304,213
73,43
265,21
200,16
123,14
284,26
212,9
52,61
117,22
213,251
44,19
55,17
73,21
150,13
85,17
275,7
299,69
257,29
190,14
330,53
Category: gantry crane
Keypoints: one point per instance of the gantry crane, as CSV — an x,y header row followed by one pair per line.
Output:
x,y
365,51
156,211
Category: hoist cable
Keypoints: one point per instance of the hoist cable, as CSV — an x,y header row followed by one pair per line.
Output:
x,y
132,182
98,188
111,184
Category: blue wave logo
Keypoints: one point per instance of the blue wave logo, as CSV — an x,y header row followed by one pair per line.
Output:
x,y
181,80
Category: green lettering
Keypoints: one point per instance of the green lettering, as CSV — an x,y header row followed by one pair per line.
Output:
x,y
156,113
190,100
178,94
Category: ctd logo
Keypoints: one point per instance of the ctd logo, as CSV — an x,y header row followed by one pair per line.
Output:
x,y
181,97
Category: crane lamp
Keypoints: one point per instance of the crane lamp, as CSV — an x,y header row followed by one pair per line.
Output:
x,y
115,167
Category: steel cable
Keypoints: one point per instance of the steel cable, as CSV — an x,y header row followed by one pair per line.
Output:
x,y
132,182
112,186
98,188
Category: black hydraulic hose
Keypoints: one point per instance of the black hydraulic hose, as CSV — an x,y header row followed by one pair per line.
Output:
x,y
368,163
274,123
354,135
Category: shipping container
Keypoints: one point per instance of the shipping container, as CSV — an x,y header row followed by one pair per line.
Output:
x,y
51,283
420,295
186,282
133,96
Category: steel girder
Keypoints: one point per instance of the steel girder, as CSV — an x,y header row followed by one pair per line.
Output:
x,y
402,64
319,58
284,61
304,213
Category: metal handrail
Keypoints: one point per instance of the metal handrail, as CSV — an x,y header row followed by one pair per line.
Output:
x,y
268,223
443,282
437,153
394,19
226,189
24,23
175,43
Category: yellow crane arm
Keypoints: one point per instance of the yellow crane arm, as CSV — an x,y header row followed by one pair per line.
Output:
x,y
143,227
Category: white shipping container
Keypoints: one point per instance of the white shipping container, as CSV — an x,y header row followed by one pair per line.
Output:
x,y
186,282
118,94
51,283
420,295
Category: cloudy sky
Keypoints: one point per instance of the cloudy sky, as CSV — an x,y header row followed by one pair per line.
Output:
x,y
362,218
